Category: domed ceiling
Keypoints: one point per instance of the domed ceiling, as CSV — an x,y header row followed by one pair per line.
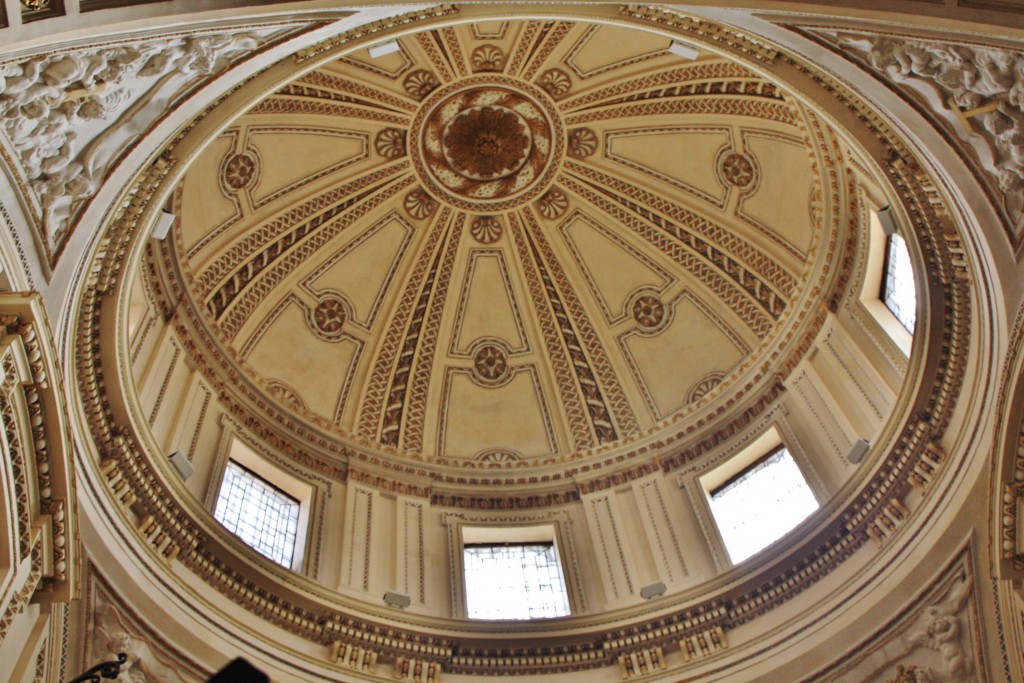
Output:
x,y
510,243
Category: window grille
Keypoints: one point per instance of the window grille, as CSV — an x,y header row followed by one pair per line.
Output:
x,y
514,581
898,292
761,504
259,513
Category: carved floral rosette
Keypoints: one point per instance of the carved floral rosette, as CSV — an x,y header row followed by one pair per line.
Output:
x,y
487,142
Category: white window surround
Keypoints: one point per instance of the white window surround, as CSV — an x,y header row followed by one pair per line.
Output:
x,y
764,445
301,491
898,291
523,580
874,278
470,529
259,513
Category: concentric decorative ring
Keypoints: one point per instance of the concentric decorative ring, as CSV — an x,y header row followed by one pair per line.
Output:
x,y
487,143
490,363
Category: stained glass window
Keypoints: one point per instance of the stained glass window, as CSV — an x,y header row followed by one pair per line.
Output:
x,y
898,290
514,581
259,513
761,504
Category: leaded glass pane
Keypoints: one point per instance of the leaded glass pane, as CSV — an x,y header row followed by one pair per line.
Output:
x,y
898,290
514,582
761,505
260,514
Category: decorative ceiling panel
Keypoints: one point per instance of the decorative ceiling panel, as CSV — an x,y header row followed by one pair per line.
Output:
x,y
526,238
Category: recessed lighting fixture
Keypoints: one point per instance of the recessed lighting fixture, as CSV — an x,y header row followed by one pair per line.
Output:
x,y
384,49
684,51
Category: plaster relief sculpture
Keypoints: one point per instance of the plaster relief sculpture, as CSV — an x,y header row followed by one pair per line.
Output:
x,y
979,89
937,643
69,116
112,631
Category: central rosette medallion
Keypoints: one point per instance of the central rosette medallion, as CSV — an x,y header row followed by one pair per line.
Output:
x,y
487,143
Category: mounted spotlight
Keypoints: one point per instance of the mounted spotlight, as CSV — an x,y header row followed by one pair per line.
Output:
x,y
396,599
858,450
181,463
163,225
887,220
652,590
684,51
384,49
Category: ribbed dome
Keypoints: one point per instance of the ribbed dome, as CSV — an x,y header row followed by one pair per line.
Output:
x,y
512,243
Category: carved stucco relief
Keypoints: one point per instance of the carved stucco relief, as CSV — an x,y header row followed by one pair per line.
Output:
x,y
68,116
113,628
938,640
978,89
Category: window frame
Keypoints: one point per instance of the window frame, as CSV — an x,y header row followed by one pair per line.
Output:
x,y
761,448
495,531
248,458
874,283
292,502
530,543
883,293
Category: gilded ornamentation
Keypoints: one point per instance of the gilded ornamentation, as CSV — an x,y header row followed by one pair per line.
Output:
x,y
648,312
420,83
556,82
35,5
485,142
488,58
553,204
390,143
486,229
582,143
738,170
486,148
239,171
419,204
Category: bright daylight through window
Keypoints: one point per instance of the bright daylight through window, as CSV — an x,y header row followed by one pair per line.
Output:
x,y
898,291
515,581
761,504
259,513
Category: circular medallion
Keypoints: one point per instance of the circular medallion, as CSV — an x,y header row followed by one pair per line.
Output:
x,y
238,171
490,364
328,317
487,143
649,313
738,170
